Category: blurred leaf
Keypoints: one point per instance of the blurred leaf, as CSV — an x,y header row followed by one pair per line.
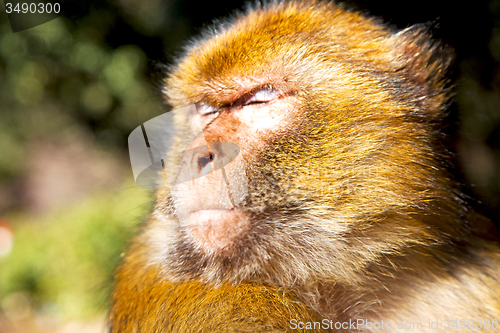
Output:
x,y
67,258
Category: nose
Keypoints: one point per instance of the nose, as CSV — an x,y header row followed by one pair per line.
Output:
x,y
198,162
202,160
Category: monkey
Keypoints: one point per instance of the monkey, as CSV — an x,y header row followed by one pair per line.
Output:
x,y
343,208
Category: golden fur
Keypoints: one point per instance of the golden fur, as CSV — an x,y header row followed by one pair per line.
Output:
x,y
360,217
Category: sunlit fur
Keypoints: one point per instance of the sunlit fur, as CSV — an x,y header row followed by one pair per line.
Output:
x,y
146,302
353,208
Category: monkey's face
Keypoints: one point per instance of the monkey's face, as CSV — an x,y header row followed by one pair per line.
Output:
x,y
323,116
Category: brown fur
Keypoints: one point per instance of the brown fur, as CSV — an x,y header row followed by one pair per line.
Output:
x,y
147,302
351,205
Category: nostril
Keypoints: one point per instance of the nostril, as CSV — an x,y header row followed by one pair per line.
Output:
x,y
203,161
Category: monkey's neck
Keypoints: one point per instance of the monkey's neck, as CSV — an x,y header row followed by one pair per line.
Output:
x,y
397,277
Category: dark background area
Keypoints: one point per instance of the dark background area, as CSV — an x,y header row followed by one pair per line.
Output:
x,y
72,90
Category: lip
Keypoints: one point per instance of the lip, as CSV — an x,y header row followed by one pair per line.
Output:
x,y
212,216
212,210
216,229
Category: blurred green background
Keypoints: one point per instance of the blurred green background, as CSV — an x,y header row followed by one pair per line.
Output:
x,y
72,89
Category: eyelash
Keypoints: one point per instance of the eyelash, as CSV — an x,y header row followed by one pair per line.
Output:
x,y
261,96
249,99
201,106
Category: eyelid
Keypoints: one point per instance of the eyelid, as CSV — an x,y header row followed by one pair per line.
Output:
x,y
206,109
261,96
258,96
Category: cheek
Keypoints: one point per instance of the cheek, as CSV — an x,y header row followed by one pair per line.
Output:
x,y
253,127
265,120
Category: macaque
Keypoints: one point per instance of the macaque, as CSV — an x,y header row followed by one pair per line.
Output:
x,y
346,212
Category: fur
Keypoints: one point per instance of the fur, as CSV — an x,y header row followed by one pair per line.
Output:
x,y
352,207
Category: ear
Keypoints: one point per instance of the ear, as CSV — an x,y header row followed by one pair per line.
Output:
x,y
422,65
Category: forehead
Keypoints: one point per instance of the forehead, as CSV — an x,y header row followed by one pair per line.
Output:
x,y
263,46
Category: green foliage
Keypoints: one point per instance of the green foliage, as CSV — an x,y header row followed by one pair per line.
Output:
x,y
65,261
62,76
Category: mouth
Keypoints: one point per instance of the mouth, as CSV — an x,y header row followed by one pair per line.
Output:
x,y
215,230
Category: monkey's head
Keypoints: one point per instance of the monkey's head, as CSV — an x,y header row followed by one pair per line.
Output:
x,y
335,116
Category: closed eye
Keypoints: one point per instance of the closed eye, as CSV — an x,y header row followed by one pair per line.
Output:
x,y
206,109
208,113
257,97
260,96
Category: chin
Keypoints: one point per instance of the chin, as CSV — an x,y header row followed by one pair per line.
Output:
x,y
216,231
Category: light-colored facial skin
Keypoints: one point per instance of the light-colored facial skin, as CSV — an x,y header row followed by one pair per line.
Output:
x,y
213,177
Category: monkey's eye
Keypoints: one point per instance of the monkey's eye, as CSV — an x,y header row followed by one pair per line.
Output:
x,y
261,96
208,113
205,109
